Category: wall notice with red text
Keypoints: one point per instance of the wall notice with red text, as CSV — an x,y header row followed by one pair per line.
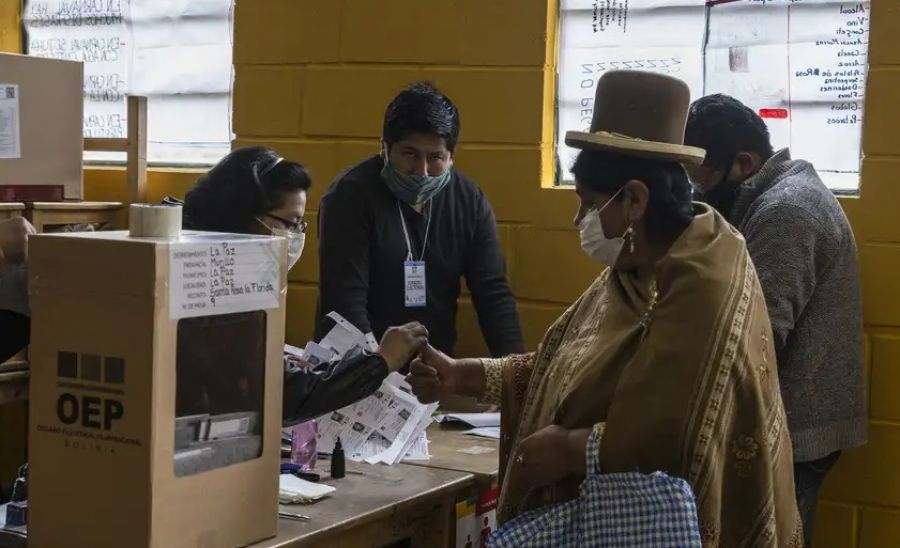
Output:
x,y
801,64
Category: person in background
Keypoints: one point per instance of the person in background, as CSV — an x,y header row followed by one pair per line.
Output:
x,y
255,191
15,323
664,363
399,230
805,254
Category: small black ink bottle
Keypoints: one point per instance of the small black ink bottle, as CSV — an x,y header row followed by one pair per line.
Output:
x,y
338,466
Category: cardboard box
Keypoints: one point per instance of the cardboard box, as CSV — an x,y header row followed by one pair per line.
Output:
x,y
127,335
50,98
476,519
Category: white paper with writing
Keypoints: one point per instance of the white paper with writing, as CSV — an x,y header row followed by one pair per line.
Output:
x,y
801,64
176,52
385,427
10,135
211,275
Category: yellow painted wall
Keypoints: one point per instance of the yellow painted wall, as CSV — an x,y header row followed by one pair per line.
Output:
x,y
10,36
313,78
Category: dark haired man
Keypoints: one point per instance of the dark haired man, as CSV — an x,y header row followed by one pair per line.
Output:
x,y
805,254
398,231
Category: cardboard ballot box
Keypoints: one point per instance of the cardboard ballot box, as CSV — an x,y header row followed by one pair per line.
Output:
x,y
156,389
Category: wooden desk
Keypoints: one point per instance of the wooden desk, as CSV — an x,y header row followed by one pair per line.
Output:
x,y
8,210
386,504
48,214
452,450
382,506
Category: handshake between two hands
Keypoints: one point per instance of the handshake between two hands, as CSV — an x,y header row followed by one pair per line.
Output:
x,y
430,373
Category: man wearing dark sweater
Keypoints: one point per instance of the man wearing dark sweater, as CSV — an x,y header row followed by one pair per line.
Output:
x,y
398,231
805,255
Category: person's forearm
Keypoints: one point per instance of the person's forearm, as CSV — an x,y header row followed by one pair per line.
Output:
x,y
309,393
470,378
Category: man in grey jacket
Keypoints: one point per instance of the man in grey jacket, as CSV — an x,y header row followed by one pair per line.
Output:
x,y
805,254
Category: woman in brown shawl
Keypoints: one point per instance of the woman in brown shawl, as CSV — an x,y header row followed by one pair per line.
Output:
x,y
667,357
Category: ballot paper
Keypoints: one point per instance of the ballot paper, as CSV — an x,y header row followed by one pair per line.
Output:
x,y
345,336
490,432
380,428
293,351
477,420
418,450
293,490
313,354
386,427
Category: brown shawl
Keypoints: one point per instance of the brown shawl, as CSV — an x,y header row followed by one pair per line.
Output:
x,y
690,389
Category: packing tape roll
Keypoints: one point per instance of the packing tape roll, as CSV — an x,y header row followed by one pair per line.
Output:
x,y
154,221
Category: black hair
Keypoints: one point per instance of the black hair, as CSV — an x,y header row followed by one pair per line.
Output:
x,y
724,127
669,210
421,108
244,185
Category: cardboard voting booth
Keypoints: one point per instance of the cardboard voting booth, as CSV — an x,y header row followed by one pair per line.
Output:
x,y
156,389
41,120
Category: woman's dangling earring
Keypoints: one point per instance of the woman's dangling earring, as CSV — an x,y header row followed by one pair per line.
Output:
x,y
630,235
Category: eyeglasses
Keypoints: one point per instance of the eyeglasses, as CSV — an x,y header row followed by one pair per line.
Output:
x,y
298,228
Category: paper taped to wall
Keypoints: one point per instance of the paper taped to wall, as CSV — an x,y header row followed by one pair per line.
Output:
x,y
801,64
10,136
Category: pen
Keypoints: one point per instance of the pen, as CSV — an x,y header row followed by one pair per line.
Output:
x,y
289,515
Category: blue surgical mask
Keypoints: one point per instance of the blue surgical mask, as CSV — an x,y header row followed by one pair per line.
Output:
x,y
413,189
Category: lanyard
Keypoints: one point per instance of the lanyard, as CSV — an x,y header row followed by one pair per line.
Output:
x,y
409,255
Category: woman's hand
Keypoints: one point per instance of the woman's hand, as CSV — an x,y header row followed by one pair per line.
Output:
x,y
400,344
433,375
553,453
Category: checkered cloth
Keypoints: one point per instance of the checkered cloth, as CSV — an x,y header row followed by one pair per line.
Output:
x,y
630,510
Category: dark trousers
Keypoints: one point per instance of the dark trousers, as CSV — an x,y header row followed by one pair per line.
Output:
x,y
808,478
15,332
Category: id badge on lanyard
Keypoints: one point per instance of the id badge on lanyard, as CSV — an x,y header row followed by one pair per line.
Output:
x,y
414,287
414,275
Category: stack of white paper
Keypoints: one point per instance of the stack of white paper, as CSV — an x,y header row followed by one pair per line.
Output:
x,y
486,425
478,420
388,426
292,490
490,432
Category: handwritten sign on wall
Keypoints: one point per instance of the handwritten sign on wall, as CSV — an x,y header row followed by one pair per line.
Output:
x,y
801,64
176,52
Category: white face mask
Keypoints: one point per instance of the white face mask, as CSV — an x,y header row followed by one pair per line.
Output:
x,y
595,243
296,241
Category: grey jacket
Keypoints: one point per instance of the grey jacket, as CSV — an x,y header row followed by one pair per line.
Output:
x,y
805,254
